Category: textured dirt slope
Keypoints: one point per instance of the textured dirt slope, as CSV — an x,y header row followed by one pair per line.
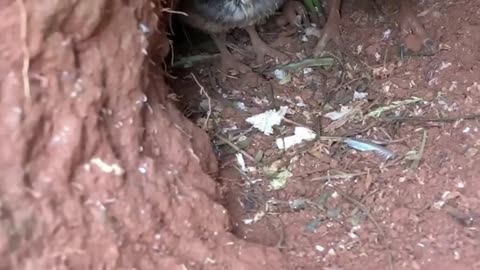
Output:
x,y
97,168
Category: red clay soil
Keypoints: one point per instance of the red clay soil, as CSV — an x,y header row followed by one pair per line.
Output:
x,y
98,169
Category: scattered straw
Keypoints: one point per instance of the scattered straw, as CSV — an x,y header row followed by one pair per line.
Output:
x,y
433,7
365,210
475,116
170,26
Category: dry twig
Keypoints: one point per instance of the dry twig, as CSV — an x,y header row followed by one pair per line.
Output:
x,y
475,116
236,148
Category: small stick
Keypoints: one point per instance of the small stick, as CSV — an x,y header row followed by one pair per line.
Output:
x,y
236,148
346,84
295,123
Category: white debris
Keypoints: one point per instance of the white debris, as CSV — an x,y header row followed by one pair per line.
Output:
x,y
241,162
444,65
143,168
300,102
108,168
359,95
359,49
475,87
353,235
331,252
460,184
144,29
339,114
261,101
307,70
282,76
386,34
280,180
241,106
301,134
266,120
456,255
313,31
447,195
258,216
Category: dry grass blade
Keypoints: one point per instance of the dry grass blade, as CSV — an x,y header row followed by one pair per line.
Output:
x,y
416,162
26,52
337,176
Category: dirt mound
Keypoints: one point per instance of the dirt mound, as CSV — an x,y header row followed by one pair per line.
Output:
x,y
98,168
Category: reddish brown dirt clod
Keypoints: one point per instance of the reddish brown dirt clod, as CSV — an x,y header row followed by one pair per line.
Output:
x,y
413,43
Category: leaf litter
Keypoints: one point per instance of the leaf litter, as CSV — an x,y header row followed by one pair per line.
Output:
x,y
277,158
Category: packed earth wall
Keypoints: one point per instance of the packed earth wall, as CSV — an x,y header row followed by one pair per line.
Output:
x,y
98,168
